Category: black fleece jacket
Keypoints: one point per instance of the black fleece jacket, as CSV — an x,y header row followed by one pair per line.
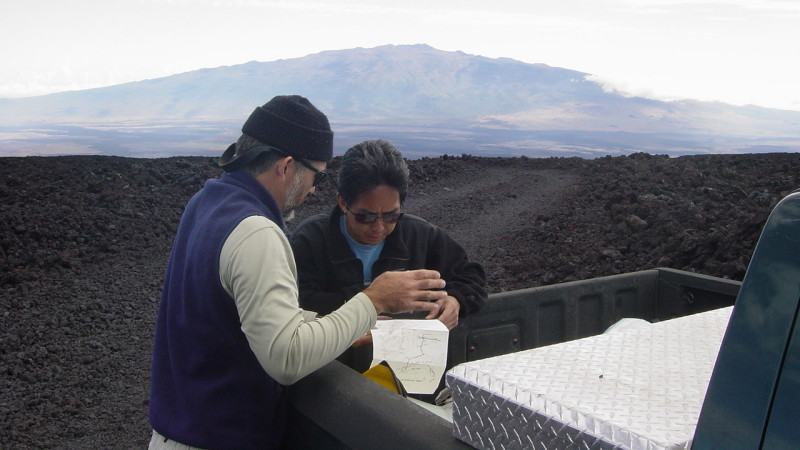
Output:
x,y
330,274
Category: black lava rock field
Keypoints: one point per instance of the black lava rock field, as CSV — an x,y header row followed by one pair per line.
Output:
x,y
84,242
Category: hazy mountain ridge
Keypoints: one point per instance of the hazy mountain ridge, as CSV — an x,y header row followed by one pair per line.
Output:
x,y
432,101
350,85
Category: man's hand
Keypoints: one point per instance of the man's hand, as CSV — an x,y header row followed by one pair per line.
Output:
x,y
448,312
408,291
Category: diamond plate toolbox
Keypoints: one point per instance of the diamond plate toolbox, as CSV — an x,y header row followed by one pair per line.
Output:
x,y
633,389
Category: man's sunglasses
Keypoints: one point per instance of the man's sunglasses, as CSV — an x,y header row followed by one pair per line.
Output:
x,y
319,175
231,162
371,218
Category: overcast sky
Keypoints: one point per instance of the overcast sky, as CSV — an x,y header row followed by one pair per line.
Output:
x,y
734,51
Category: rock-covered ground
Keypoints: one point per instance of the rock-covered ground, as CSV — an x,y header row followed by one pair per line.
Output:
x,y
84,241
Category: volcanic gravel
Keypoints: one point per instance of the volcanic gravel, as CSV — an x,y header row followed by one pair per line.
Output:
x,y
84,242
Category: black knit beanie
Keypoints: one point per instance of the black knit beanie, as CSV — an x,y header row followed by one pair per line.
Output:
x,y
294,126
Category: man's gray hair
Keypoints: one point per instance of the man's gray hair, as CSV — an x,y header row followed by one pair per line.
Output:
x,y
264,161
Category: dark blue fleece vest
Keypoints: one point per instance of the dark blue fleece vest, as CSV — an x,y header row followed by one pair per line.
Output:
x,y
207,388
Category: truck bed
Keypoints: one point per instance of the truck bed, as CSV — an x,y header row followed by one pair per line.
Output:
x,y
337,407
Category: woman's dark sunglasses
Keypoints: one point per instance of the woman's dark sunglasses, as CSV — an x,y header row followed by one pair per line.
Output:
x,y
371,218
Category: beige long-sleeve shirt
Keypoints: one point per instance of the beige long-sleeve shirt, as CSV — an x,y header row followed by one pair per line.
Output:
x,y
258,270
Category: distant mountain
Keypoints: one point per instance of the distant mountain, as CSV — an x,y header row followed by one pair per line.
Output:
x,y
424,100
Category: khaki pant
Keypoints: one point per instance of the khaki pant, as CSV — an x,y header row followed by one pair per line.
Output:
x,y
159,442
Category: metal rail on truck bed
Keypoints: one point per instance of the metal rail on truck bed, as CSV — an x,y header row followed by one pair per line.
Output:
x,y
534,317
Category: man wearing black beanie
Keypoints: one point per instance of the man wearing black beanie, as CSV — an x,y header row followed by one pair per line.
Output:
x,y
230,334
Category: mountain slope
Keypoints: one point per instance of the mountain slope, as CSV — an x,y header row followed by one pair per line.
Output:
x,y
407,81
413,93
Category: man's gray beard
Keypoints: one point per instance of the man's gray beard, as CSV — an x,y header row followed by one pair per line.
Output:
x,y
294,195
